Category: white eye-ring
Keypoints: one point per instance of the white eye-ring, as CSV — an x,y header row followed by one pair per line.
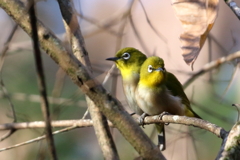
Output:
x,y
150,68
126,56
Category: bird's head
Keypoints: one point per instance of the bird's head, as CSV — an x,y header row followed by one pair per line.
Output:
x,y
152,72
128,60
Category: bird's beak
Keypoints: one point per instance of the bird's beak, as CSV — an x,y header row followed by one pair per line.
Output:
x,y
159,69
113,59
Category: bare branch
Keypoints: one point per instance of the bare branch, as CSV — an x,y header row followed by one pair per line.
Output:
x,y
36,139
160,35
230,147
52,100
234,7
111,107
218,131
41,82
139,38
212,65
78,48
4,90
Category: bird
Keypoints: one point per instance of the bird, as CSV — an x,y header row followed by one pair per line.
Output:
x,y
129,60
159,91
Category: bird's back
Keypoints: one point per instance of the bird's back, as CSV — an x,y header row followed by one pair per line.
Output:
x,y
175,87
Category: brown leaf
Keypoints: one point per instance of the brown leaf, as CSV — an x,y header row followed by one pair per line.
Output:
x,y
197,18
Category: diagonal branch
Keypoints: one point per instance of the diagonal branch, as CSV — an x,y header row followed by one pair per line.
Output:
x,y
108,105
41,82
78,47
210,66
234,7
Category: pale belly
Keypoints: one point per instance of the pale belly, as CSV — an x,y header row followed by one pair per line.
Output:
x,y
130,96
154,104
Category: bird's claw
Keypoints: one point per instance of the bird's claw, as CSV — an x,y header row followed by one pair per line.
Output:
x,y
141,119
162,114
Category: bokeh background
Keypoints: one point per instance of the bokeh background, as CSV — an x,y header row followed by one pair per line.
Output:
x,y
106,30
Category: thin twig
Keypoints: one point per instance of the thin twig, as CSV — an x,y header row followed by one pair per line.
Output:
x,y
4,90
210,66
214,114
107,23
52,100
41,82
160,35
36,139
57,90
139,38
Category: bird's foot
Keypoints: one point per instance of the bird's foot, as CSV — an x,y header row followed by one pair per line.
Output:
x,y
141,119
162,114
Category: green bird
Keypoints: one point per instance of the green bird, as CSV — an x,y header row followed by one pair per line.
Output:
x,y
160,91
128,61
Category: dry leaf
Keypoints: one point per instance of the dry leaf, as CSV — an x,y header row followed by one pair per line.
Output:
x,y
197,18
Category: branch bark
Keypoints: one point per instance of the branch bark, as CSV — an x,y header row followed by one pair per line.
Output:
x,y
210,66
234,7
111,107
230,148
218,131
101,127
41,81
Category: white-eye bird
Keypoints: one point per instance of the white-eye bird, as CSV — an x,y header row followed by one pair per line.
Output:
x,y
160,91
128,61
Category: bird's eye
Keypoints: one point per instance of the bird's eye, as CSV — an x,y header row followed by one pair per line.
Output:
x,y
126,56
163,69
150,68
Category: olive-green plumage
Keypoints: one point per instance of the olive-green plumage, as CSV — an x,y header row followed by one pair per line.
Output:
x,y
160,91
151,92
129,60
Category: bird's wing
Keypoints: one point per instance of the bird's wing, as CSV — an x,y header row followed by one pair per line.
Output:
x,y
176,89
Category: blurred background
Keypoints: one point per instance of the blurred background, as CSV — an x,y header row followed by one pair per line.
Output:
x,y
108,27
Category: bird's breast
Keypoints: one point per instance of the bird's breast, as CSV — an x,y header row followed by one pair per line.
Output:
x,y
154,102
129,90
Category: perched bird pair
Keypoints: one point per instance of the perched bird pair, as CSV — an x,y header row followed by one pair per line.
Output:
x,y
150,89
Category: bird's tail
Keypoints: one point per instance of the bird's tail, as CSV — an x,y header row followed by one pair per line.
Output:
x,y
190,113
161,136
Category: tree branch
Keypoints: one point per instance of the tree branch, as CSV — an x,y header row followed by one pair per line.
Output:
x,y
41,81
212,65
4,90
73,124
234,7
111,107
218,131
230,148
101,127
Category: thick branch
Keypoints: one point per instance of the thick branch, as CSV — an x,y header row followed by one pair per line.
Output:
x,y
230,148
101,127
111,107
